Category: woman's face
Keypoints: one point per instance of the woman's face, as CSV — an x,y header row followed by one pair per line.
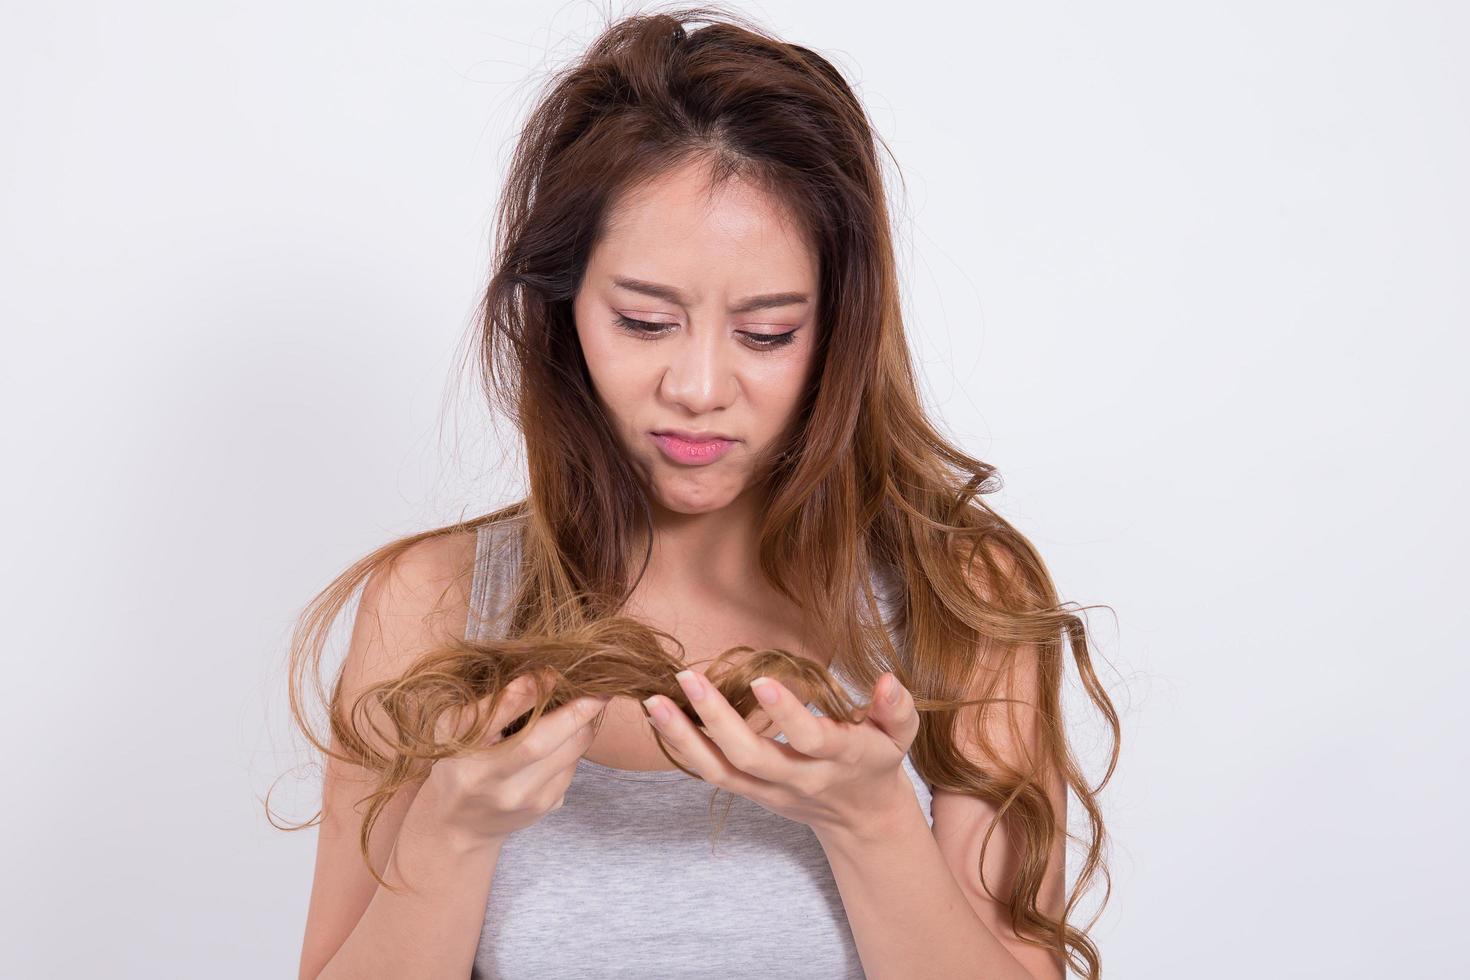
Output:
x,y
727,288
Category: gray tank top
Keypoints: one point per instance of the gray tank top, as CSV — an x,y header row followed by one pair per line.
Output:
x,y
623,880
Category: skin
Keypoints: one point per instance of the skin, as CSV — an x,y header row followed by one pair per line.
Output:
x,y
701,372
844,781
704,369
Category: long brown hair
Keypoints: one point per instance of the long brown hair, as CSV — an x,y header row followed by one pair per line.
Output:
x,y
861,479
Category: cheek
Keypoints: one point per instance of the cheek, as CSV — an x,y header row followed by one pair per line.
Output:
x,y
620,377
779,386
597,352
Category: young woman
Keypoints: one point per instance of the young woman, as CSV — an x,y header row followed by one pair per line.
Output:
x,y
746,562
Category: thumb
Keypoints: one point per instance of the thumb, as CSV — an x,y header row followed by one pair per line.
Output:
x,y
893,710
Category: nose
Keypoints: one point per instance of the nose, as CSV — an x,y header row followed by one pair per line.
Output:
x,y
699,374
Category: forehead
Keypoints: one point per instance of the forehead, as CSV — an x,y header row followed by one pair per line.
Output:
x,y
677,229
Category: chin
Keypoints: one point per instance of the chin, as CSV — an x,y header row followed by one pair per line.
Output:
x,y
686,496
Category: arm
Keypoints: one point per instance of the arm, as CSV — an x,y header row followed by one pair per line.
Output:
x,y
905,907
354,927
432,929
913,895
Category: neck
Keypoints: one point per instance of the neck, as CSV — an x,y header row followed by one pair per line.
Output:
x,y
709,554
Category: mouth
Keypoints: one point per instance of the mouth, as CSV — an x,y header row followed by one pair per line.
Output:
x,y
692,449
691,436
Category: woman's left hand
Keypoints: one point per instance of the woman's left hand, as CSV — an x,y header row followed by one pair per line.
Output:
x,y
829,775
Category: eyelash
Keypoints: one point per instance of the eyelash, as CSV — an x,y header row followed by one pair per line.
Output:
x,y
644,330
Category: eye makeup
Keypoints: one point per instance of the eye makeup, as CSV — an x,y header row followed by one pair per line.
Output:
x,y
644,330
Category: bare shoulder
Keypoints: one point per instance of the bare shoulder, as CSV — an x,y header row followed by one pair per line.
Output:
x,y
427,572
408,604
993,570
414,601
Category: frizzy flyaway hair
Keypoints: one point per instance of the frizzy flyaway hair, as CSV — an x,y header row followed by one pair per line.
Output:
x,y
861,478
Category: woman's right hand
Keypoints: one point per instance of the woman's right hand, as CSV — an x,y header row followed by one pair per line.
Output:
x,y
506,785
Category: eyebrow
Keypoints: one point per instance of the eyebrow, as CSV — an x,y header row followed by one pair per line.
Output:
x,y
748,305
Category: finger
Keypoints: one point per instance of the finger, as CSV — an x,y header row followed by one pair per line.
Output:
x,y
893,711
694,750
565,755
515,699
818,738
518,698
556,772
558,727
727,752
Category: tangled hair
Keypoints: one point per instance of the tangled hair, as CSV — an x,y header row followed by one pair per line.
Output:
x,y
860,478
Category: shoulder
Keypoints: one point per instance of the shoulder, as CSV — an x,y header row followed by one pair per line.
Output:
x,y
412,597
415,599
1010,670
996,570
424,572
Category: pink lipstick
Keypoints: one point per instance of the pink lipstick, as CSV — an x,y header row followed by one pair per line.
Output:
x,y
691,452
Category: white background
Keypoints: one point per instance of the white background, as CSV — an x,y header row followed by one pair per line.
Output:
x,y
1193,275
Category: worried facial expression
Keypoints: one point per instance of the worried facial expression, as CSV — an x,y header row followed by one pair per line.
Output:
x,y
697,313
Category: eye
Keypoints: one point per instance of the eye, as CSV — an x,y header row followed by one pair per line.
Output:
x,y
651,331
641,328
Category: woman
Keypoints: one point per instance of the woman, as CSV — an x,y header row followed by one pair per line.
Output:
x,y
694,321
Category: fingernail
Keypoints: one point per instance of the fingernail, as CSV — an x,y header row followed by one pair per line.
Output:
x,y
656,709
692,683
765,692
894,689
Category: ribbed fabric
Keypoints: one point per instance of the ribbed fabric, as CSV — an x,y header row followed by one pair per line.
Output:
x,y
624,881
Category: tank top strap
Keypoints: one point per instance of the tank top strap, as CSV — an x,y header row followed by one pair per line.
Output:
x,y
493,579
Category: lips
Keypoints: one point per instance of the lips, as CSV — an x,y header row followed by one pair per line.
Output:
x,y
691,452
689,436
